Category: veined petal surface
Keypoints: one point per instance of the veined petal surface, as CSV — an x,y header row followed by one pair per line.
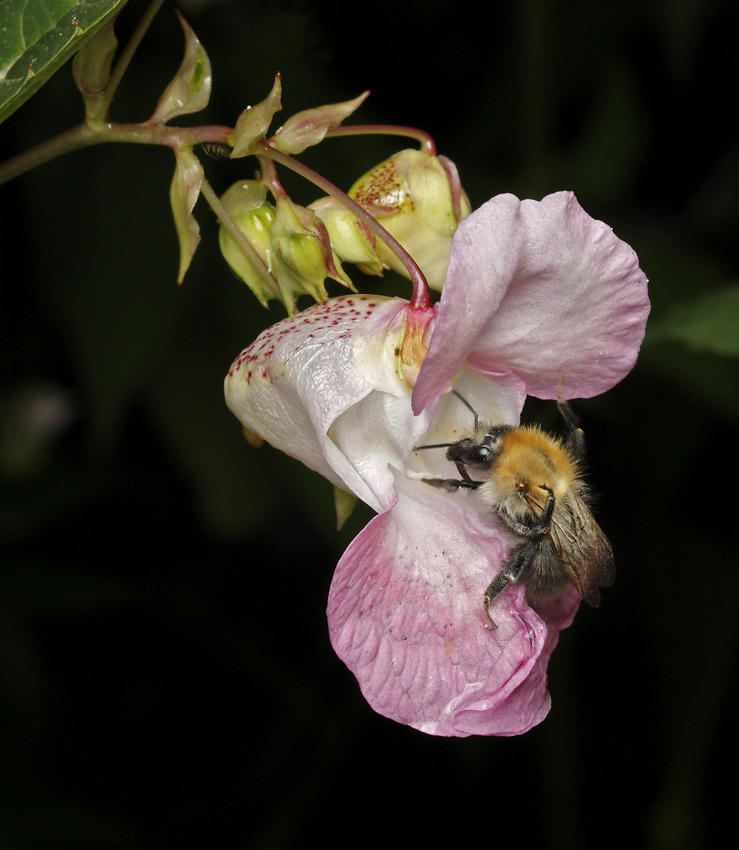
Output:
x,y
542,290
406,615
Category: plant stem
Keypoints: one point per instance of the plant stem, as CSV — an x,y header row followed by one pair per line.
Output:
x,y
426,142
128,51
420,298
84,136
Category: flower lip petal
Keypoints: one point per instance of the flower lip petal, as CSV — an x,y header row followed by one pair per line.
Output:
x,y
540,289
406,616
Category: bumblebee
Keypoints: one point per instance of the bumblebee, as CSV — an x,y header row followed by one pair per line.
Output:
x,y
533,482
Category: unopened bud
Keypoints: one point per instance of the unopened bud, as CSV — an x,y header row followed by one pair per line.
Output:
x,y
302,243
309,127
254,122
183,195
189,90
351,240
91,69
417,198
246,203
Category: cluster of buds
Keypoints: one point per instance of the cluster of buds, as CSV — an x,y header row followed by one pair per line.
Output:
x,y
415,196
290,242
400,215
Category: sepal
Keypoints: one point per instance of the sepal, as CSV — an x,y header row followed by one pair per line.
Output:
x,y
189,90
254,121
183,195
310,126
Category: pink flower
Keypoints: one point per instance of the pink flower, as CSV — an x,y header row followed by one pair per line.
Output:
x,y
539,299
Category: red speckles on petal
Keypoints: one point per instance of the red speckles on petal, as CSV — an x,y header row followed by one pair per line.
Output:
x,y
273,350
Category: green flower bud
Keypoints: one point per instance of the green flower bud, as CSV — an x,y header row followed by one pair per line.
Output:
x,y
246,203
351,240
183,195
309,127
417,198
288,251
301,243
254,122
91,69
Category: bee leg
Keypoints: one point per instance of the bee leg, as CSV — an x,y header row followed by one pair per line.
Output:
x,y
512,571
575,434
539,528
517,563
451,484
462,469
546,514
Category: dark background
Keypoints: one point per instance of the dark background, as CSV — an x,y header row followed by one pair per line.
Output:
x,y
165,672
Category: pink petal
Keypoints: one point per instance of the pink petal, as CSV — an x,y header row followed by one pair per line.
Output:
x,y
540,289
406,615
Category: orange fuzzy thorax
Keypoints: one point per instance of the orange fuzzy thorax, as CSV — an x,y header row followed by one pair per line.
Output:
x,y
529,458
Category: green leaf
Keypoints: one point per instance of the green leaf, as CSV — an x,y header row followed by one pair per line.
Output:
x,y
709,323
37,37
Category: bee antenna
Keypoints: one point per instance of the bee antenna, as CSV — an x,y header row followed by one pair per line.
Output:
x,y
434,446
467,405
447,445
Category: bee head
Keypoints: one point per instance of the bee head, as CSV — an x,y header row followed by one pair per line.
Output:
x,y
478,453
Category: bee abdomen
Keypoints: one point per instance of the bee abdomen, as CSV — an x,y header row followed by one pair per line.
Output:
x,y
544,577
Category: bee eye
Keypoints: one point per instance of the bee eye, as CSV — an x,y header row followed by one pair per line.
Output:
x,y
480,454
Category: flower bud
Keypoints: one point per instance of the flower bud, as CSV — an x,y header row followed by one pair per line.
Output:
x,y
254,122
351,240
302,244
289,241
91,69
246,203
417,198
309,127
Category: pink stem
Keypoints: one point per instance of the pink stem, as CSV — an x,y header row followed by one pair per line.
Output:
x,y
427,143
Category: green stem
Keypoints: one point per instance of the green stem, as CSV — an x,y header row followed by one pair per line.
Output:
x,y
84,136
127,53
420,298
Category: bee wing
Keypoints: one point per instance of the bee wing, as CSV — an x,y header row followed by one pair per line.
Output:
x,y
585,552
